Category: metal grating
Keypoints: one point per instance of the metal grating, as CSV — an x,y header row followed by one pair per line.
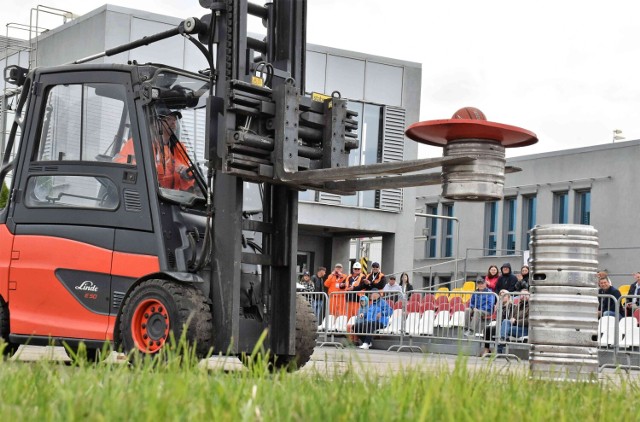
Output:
x,y
132,201
330,198
117,299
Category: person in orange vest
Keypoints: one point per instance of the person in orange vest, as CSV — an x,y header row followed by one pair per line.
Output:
x,y
172,163
336,282
375,280
354,282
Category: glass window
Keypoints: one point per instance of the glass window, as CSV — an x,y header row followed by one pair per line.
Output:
x,y
509,230
4,195
14,137
368,151
177,124
383,84
529,219
371,141
307,195
432,231
84,123
561,207
447,209
491,227
584,207
72,191
345,75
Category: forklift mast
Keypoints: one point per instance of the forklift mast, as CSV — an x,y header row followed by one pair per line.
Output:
x,y
269,113
268,132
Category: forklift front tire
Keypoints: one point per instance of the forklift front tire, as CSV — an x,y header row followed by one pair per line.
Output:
x,y
156,310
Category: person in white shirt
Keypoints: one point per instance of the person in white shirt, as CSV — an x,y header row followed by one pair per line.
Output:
x,y
392,290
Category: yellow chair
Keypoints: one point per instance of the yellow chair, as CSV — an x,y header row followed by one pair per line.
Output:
x,y
455,293
624,290
442,291
469,286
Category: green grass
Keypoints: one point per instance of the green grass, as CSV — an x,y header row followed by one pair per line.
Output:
x,y
179,390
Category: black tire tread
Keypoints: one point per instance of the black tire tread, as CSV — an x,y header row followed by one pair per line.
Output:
x,y
306,336
192,306
10,348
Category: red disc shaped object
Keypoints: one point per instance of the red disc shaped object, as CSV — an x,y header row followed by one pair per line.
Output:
x,y
440,132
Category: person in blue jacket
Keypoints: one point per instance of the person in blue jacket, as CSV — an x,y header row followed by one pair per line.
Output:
x,y
376,317
480,308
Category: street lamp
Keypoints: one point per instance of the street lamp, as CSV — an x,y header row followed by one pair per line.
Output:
x,y
617,135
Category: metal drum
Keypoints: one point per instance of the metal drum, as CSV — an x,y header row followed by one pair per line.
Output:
x,y
564,362
564,255
556,332
480,180
563,313
562,306
564,290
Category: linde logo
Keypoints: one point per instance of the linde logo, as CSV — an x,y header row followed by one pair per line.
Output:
x,y
87,286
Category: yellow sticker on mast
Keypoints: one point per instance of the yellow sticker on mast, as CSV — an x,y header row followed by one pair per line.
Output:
x,y
320,98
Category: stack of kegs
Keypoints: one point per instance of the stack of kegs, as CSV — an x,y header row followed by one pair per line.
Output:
x,y
563,313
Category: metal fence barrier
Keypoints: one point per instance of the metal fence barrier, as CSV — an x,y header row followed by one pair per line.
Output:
x,y
430,317
619,332
425,317
320,304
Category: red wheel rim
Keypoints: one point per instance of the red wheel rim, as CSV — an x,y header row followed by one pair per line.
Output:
x,y
150,325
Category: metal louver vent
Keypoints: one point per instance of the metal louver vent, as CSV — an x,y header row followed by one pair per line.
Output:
x,y
329,198
171,259
118,297
392,150
132,201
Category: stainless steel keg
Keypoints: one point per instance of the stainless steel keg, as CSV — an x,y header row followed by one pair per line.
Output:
x,y
563,317
564,362
479,180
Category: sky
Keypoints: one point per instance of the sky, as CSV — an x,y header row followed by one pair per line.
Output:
x,y
565,70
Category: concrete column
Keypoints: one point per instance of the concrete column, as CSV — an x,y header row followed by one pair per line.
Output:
x,y
389,257
340,252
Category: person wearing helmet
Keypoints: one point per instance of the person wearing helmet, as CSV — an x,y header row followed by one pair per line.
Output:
x,y
354,283
172,161
171,158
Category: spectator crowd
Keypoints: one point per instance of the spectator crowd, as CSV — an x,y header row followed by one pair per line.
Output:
x,y
369,299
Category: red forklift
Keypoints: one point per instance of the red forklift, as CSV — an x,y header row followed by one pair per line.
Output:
x,y
98,245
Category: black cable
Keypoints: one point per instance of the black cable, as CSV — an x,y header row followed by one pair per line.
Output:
x,y
212,74
205,255
203,50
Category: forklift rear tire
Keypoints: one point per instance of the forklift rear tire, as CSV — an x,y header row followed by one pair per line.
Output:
x,y
9,348
157,308
306,335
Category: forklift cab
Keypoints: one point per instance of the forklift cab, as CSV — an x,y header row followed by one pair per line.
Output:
x,y
83,225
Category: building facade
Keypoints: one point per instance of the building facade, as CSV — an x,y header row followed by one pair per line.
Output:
x,y
384,92
595,185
